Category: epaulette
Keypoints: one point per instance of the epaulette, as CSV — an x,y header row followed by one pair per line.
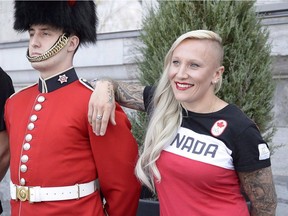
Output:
x,y
86,84
20,90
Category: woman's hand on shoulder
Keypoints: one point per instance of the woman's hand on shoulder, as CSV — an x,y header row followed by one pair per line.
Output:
x,y
101,107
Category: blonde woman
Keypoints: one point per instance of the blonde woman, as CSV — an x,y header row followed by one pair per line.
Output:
x,y
199,151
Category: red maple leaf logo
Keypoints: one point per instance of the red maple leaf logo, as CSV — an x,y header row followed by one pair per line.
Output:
x,y
220,124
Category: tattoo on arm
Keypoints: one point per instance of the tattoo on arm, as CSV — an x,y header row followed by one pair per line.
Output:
x,y
129,95
259,187
110,92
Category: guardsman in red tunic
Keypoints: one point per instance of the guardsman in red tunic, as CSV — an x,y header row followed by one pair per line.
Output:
x,y
58,165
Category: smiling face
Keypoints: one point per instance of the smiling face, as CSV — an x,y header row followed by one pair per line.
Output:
x,y
194,67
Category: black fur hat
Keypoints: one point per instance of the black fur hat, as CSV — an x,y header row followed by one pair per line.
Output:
x,y
73,16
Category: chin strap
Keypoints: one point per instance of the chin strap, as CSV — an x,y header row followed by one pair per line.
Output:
x,y
56,48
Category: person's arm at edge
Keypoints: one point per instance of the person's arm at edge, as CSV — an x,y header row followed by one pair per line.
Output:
x,y
260,189
4,153
102,102
6,90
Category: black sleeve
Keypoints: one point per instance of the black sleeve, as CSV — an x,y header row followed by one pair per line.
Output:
x,y
148,97
253,152
6,89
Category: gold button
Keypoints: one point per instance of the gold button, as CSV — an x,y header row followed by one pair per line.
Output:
x,y
26,146
28,137
24,158
38,107
23,168
30,126
33,118
41,99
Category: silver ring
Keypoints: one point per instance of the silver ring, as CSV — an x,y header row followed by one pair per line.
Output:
x,y
99,117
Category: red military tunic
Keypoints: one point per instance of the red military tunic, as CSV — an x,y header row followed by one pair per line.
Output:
x,y
53,145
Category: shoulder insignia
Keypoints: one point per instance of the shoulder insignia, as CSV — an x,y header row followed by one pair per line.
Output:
x,y
20,90
86,84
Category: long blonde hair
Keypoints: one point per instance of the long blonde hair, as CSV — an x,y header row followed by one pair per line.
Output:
x,y
167,114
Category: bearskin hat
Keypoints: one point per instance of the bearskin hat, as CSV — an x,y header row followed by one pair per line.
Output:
x,y
73,16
